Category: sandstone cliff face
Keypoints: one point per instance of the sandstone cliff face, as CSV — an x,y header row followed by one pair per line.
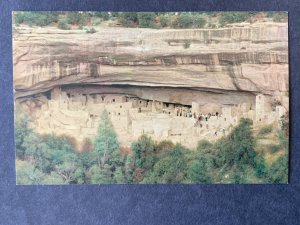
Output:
x,y
226,65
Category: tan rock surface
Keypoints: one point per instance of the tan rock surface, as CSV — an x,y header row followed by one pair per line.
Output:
x,y
250,58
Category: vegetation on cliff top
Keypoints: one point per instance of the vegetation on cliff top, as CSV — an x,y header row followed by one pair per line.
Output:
x,y
50,159
177,20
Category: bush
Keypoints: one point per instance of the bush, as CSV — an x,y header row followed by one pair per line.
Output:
x,y
164,21
35,18
164,146
128,19
91,30
274,148
204,144
102,15
78,18
284,123
143,150
146,20
188,20
260,166
278,170
22,131
170,169
63,25
185,20
198,21
265,130
278,16
114,14
233,17
198,172
187,44
27,174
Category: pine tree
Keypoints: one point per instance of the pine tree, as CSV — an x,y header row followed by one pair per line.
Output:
x,y
106,143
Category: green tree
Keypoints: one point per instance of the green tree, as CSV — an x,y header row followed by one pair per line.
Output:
x,y
164,21
53,178
128,19
233,17
146,19
243,143
238,147
101,175
26,173
278,170
22,131
35,18
170,169
198,21
63,24
67,171
103,15
260,166
106,143
185,20
114,14
202,163
235,155
119,176
87,159
78,18
198,172
38,153
143,150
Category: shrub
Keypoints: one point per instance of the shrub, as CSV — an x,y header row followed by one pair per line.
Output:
x,y
187,44
63,25
237,149
185,20
164,146
278,170
198,21
143,150
22,131
278,16
164,21
128,19
198,172
204,144
78,18
146,19
27,174
233,17
96,21
284,123
260,166
114,14
188,20
91,30
274,148
170,169
102,15
265,130
35,18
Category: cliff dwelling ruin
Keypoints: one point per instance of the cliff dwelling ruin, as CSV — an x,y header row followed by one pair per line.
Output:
x,y
149,86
